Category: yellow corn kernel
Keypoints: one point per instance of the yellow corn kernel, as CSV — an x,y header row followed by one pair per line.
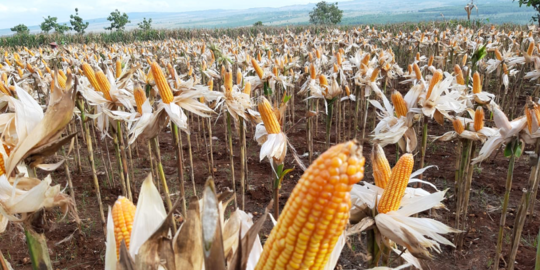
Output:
x,y
498,54
478,119
163,86
258,69
90,75
437,76
458,126
123,213
104,85
395,189
316,212
399,104
268,116
381,167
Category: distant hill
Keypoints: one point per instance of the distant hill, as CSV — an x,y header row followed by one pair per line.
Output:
x,y
354,12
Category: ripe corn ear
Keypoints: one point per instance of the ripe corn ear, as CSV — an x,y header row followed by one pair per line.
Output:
x,y
381,167
123,213
399,104
163,86
399,178
268,116
316,212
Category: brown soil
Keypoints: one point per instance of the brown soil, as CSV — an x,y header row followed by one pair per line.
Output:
x,y
85,247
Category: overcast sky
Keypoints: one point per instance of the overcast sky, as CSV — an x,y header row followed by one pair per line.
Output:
x,y
31,12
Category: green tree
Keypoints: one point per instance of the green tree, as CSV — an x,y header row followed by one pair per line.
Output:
x,y
118,21
61,28
532,3
325,13
145,25
48,24
259,23
21,29
77,22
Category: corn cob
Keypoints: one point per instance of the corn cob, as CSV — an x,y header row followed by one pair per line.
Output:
x,y
374,74
247,88
417,72
439,118
399,104
238,77
30,68
464,60
118,68
2,165
268,116
312,72
61,73
104,85
430,61
258,69
228,84
459,75
498,54
381,167
478,119
90,75
316,212
323,80
437,76
20,71
399,178
477,83
347,90
458,126
162,84
140,97
530,50
123,213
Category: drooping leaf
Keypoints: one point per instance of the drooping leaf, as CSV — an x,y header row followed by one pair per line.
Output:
x,y
37,247
187,243
125,262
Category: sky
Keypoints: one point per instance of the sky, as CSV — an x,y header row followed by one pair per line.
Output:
x,y
31,12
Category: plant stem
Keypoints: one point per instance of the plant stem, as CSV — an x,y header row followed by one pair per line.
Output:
x,y
180,170
161,174
231,156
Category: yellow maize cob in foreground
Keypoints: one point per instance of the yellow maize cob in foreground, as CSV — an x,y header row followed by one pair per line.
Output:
x,y
316,212
258,69
163,86
458,126
123,213
399,104
381,167
104,85
459,75
90,75
437,76
477,84
269,117
395,189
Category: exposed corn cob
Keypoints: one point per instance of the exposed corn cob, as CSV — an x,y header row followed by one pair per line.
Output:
x,y
228,84
459,75
464,60
458,126
381,167
430,61
374,74
323,80
238,77
258,69
268,116
399,104
163,86
498,54
123,213
316,212
530,50
90,75
118,68
395,189
439,118
437,76
247,88
140,97
417,71
104,85
477,83
478,119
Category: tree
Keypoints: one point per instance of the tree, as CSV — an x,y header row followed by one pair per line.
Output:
x,y
48,24
118,21
77,23
61,28
21,29
145,25
259,23
532,3
325,13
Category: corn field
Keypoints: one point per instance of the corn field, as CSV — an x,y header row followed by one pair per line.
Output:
x,y
399,147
